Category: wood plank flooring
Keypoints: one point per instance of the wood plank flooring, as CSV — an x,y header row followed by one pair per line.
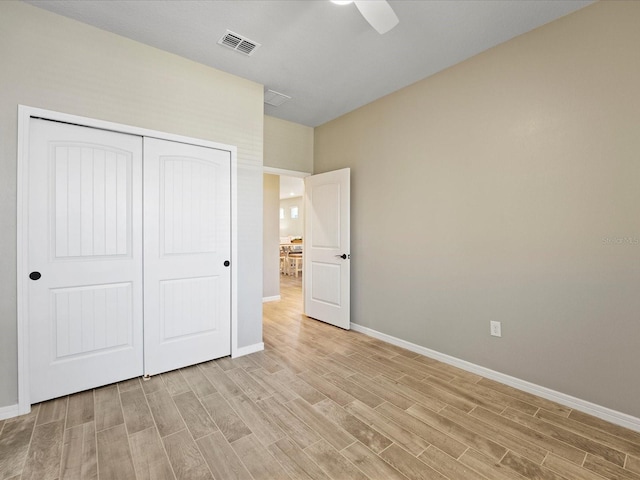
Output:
x,y
317,403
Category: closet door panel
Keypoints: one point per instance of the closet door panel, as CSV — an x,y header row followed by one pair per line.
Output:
x,y
85,243
187,231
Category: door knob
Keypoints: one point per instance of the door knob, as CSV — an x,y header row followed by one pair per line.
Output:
x,y
343,256
227,263
35,275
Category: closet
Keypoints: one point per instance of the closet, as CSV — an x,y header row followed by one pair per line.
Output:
x,y
128,254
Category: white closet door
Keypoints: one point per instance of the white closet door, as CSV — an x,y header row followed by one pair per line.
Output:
x,y
187,241
84,258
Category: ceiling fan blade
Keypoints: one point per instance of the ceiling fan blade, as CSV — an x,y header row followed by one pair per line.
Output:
x,y
378,13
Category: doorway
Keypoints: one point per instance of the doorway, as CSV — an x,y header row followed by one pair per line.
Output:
x,y
291,222
283,199
283,235
324,244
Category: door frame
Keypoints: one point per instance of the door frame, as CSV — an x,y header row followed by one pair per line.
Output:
x,y
25,114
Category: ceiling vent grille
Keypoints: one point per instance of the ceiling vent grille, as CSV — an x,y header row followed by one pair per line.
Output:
x,y
274,98
238,43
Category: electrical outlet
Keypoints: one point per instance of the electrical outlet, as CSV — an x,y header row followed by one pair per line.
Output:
x,y
496,329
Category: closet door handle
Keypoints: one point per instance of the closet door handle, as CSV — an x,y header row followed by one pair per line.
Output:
x,y
227,263
35,275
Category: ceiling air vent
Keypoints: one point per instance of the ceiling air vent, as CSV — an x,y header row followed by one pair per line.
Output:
x,y
238,43
274,98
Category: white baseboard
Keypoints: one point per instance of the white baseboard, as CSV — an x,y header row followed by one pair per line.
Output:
x,y
256,347
9,411
275,298
599,411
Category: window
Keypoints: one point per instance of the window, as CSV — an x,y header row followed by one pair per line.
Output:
x,y
281,213
294,212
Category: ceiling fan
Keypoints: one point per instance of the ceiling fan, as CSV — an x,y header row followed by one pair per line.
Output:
x,y
377,12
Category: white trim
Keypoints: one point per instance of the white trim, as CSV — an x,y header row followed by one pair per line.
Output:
x,y
24,405
241,351
275,298
25,114
11,411
599,411
234,251
286,173
26,111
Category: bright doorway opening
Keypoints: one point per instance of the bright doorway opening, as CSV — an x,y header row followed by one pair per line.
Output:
x,y
283,229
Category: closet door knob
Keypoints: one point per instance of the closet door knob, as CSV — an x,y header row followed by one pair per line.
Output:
x,y
35,275
227,263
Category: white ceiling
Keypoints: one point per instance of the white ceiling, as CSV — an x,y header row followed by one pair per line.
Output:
x,y
291,187
325,56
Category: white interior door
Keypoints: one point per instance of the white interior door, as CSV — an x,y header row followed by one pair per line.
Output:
x,y
327,261
84,257
187,250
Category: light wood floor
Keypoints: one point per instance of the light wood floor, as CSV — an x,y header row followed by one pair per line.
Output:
x,y
318,403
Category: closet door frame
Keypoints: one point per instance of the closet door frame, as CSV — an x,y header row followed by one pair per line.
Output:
x,y
25,114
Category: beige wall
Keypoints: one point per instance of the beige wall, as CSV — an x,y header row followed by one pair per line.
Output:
x,y
271,233
292,227
59,64
287,145
508,188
